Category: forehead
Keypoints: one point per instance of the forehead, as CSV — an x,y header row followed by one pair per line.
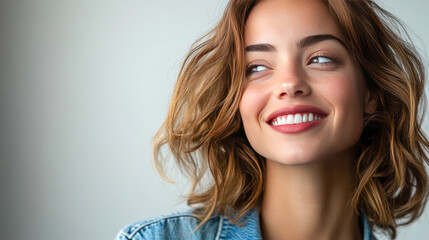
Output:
x,y
270,20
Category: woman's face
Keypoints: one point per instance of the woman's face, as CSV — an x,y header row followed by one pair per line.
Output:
x,y
305,96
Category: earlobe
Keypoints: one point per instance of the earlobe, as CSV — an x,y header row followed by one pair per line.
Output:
x,y
370,103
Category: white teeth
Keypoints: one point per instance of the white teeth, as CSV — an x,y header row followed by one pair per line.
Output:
x,y
289,119
295,119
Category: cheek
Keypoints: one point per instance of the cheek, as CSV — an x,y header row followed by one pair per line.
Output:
x,y
251,104
346,94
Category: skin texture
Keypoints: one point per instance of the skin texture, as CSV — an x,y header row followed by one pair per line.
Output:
x,y
309,177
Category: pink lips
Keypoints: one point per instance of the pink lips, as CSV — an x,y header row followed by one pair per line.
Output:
x,y
295,128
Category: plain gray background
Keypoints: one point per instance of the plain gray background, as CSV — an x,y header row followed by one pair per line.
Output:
x,y
85,84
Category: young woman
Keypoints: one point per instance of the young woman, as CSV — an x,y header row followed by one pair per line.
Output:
x,y
296,120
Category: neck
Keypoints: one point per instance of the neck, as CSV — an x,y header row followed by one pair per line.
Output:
x,y
309,201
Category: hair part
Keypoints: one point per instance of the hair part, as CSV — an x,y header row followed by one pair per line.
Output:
x,y
204,133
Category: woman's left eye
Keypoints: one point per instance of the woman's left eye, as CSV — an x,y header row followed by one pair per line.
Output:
x,y
321,59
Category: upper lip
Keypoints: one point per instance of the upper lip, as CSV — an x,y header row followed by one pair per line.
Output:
x,y
295,109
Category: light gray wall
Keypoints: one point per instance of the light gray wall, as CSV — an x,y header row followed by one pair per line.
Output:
x,y
84,86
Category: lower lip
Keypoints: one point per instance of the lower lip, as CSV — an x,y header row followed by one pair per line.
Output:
x,y
296,128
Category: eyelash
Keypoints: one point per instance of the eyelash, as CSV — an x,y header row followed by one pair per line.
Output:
x,y
332,59
251,66
323,55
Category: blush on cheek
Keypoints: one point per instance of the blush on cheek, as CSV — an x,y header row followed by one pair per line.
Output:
x,y
251,103
347,95
347,92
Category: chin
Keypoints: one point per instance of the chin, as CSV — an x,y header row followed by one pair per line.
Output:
x,y
294,159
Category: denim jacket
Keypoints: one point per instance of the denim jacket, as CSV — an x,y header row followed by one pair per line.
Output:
x,y
180,225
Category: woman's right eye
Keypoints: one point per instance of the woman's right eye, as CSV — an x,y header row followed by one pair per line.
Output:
x,y
255,69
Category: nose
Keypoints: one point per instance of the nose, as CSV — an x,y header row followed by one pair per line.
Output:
x,y
292,85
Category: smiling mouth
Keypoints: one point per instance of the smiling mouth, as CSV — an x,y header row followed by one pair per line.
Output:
x,y
297,118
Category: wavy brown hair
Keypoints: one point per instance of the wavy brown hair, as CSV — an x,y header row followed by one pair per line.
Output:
x,y
205,135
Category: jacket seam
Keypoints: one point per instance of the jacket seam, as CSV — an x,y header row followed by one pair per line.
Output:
x,y
131,235
219,228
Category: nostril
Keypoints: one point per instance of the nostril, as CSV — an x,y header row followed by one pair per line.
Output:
x,y
282,94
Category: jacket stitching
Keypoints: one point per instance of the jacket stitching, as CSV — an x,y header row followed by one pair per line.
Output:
x,y
225,229
219,229
131,235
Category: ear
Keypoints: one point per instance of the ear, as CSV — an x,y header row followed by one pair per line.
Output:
x,y
370,103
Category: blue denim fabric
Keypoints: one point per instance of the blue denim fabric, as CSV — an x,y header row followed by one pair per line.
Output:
x,y
180,225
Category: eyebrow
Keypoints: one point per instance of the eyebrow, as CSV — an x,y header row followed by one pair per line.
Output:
x,y
305,42
264,47
310,40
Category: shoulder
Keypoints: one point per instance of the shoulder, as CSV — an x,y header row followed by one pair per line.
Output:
x,y
177,225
